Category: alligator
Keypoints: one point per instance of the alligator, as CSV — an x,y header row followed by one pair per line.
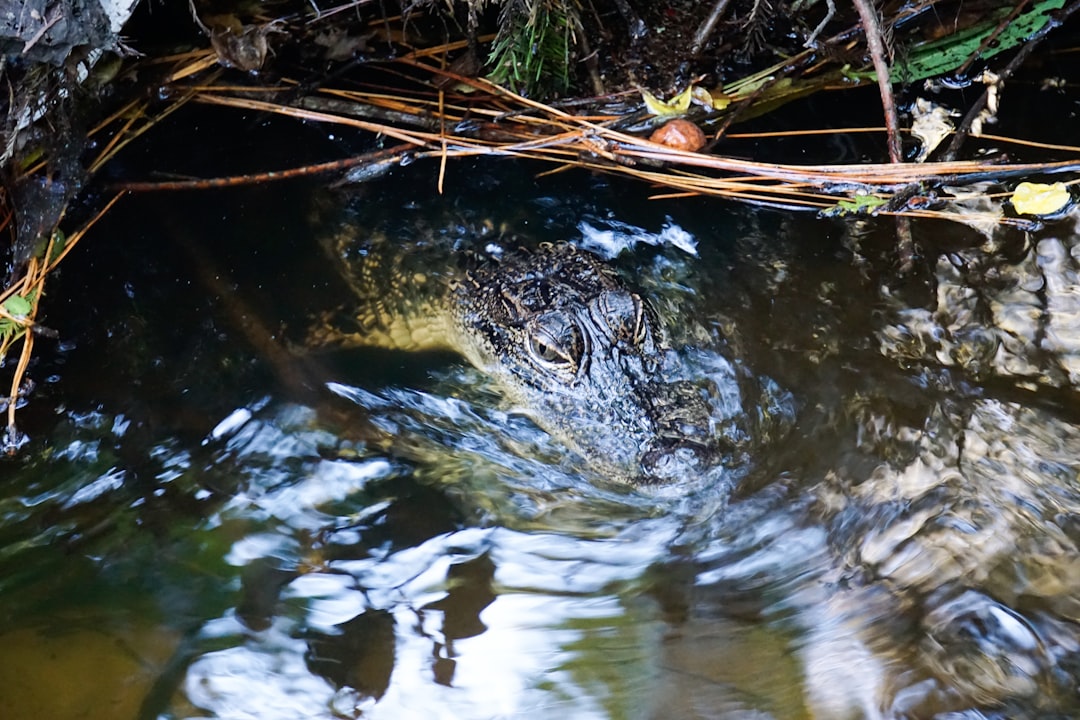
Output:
x,y
568,343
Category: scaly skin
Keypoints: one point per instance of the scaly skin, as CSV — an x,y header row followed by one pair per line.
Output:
x,y
568,343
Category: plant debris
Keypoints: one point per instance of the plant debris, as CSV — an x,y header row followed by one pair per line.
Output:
x,y
1040,199
679,134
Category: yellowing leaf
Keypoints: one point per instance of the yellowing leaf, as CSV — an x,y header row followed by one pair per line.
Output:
x,y
712,100
931,124
1039,199
677,105
701,96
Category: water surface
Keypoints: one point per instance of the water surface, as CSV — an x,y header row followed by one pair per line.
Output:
x,y
203,528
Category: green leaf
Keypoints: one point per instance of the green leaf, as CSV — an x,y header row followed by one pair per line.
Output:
x,y
59,241
946,54
858,205
18,306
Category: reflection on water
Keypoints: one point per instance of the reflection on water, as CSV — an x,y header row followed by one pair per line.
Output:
x,y
900,542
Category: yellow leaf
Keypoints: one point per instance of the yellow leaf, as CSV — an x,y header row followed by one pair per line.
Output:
x,y
721,101
677,105
1039,199
712,100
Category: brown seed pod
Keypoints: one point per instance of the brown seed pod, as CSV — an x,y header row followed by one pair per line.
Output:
x,y
681,135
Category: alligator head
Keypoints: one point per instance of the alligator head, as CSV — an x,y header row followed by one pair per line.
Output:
x,y
586,359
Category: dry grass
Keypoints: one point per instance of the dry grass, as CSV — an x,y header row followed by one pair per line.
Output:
x,y
430,123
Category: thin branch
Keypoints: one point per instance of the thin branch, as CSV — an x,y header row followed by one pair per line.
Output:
x,y
875,42
705,31
389,154
54,17
905,245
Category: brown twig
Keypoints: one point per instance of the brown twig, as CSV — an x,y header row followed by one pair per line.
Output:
x,y
875,43
378,156
706,29
54,17
905,245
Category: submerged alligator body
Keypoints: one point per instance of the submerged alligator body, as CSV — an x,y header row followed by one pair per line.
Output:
x,y
569,344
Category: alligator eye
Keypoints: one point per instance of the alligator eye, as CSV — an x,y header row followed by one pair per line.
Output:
x,y
547,353
555,342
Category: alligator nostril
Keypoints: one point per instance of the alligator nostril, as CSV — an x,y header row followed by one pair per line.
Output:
x,y
673,460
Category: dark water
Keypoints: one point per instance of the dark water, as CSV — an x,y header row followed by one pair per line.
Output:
x,y
205,527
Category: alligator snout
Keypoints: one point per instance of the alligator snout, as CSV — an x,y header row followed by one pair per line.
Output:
x,y
671,461
684,442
